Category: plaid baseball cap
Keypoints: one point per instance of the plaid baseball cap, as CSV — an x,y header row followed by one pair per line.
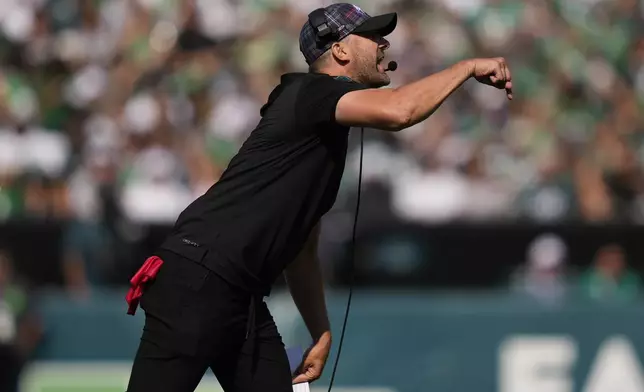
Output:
x,y
343,19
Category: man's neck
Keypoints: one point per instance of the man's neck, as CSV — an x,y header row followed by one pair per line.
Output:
x,y
335,72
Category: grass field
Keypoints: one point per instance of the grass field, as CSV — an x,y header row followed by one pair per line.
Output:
x,y
87,377
111,377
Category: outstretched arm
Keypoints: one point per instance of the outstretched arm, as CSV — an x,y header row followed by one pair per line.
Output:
x,y
400,108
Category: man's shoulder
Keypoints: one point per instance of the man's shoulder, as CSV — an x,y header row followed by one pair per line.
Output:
x,y
325,87
295,87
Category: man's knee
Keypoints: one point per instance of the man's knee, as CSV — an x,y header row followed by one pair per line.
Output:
x,y
261,368
158,369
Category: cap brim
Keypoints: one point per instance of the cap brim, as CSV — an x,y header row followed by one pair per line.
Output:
x,y
381,24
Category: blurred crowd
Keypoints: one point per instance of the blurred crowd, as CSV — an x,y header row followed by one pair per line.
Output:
x,y
131,109
115,113
547,276
568,149
118,113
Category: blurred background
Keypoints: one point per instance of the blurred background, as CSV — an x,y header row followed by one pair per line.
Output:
x,y
499,243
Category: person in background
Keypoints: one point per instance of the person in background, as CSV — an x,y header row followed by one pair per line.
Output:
x,y
610,278
19,328
543,275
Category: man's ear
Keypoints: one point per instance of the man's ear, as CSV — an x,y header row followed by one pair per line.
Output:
x,y
341,51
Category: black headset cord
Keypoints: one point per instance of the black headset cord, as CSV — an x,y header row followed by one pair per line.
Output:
x,y
352,272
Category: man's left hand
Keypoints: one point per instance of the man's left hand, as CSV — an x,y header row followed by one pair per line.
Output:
x,y
314,360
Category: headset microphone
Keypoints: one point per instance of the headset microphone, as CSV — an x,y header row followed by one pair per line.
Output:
x,y
391,66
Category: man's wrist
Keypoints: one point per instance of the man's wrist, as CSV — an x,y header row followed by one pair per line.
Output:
x,y
469,67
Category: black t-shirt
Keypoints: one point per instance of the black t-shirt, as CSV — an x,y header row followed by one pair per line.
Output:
x,y
286,175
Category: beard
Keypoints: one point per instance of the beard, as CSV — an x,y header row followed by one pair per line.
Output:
x,y
370,72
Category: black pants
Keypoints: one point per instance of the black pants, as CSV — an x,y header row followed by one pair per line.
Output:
x,y
10,368
194,320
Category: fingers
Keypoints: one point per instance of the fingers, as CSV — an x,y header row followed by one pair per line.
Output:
x,y
499,70
502,72
497,74
311,373
507,85
501,77
306,377
506,70
300,379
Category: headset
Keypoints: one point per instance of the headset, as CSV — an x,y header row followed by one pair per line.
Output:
x,y
325,33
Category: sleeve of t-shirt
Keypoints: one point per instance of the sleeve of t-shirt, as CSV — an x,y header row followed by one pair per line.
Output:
x,y
318,98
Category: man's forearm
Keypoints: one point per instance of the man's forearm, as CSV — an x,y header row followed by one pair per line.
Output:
x,y
399,108
420,99
305,282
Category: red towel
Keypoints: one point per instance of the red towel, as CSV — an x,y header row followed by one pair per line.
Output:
x,y
146,273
